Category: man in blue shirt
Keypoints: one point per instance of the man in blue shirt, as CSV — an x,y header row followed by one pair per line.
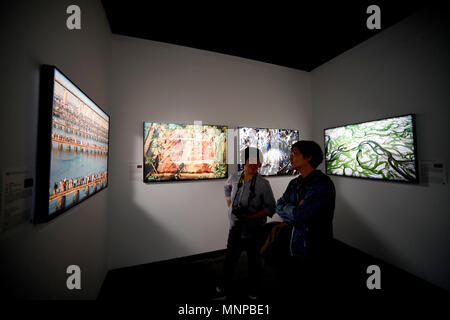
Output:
x,y
308,205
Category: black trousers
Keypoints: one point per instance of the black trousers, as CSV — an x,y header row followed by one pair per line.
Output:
x,y
240,238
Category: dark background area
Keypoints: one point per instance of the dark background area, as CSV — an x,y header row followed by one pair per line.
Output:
x,y
300,35
168,285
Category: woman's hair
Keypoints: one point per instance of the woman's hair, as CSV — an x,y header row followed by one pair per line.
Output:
x,y
310,149
251,152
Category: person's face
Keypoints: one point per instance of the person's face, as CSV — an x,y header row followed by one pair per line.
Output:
x,y
251,166
297,159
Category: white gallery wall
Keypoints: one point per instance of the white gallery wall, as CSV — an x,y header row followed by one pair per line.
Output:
x,y
158,82
34,259
404,69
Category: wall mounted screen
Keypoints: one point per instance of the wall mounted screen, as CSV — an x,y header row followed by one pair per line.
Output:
x,y
72,146
383,149
275,144
175,152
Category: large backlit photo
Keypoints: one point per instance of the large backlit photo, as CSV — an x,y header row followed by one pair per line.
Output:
x,y
78,154
174,152
275,145
383,149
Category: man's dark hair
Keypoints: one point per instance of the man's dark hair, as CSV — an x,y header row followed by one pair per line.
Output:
x,y
310,149
251,152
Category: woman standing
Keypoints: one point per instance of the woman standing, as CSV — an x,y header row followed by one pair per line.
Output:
x,y
250,201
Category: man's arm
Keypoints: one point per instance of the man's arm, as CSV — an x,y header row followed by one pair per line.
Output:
x,y
285,211
316,198
283,208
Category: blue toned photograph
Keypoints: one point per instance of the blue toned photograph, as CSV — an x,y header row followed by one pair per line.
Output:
x,y
79,153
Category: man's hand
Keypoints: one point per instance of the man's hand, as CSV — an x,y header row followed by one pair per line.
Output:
x,y
301,202
228,203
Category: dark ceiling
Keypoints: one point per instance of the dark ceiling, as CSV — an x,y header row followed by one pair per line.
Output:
x,y
301,36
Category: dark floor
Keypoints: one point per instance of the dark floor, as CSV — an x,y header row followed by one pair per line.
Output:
x,y
191,281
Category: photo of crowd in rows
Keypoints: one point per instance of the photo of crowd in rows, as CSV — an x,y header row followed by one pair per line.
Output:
x,y
79,156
